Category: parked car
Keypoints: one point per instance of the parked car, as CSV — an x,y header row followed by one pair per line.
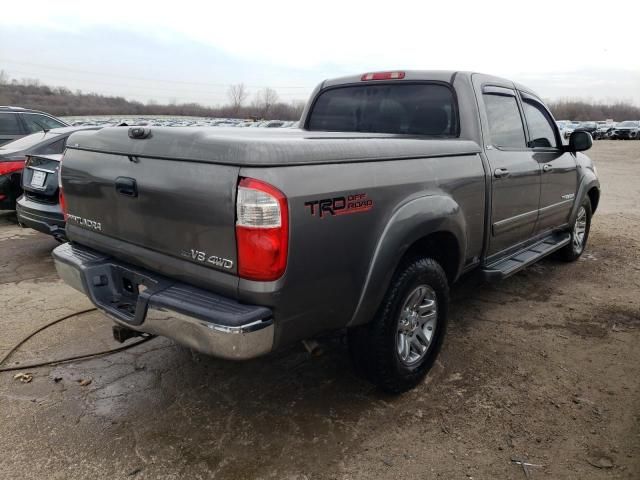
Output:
x,y
604,131
589,127
13,156
627,130
237,242
569,129
16,122
38,207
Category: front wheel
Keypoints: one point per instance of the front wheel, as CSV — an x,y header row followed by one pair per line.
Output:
x,y
579,234
396,350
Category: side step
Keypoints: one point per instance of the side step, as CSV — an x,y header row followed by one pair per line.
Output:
x,y
525,257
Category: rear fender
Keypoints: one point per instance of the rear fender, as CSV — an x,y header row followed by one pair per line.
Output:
x,y
413,221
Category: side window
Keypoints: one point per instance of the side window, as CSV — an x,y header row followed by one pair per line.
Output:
x,y
505,122
36,122
9,124
540,126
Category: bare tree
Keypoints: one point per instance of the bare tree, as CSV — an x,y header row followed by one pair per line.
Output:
x,y
237,95
4,77
265,100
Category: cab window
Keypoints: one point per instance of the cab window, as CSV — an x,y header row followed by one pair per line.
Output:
x,y
505,123
541,131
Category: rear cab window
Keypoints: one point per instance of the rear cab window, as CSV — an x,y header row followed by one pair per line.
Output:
x,y
399,108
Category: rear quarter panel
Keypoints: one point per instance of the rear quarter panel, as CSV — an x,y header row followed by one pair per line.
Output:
x,y
331,258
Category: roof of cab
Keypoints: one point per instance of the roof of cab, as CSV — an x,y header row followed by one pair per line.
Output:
x,y
447,76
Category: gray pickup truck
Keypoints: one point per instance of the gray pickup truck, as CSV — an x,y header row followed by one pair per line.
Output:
x,y
236,242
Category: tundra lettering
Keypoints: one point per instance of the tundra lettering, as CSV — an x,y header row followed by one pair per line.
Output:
x,y
85,222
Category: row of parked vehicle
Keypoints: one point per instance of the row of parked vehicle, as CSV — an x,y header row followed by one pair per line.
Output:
x,y
31,147
174,122
602,130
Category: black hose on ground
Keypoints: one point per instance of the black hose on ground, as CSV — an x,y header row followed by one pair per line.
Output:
x,y
61,360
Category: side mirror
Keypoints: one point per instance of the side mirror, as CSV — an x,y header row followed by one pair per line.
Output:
x,y
580,141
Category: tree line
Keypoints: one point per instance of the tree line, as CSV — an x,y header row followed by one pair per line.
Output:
x,y
61,101
582,111
265,104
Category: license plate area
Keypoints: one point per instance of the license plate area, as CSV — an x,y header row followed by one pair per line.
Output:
x,y
38,177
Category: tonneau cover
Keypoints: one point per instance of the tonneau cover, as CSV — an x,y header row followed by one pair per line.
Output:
x,y
261,147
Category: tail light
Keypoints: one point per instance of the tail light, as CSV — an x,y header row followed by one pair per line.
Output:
x,y
61,201
11,167
262,230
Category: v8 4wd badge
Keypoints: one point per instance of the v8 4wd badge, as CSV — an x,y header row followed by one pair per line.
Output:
x,y
203,257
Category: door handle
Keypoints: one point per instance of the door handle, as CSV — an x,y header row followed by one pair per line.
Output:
x,y
126,186
547,168
500,172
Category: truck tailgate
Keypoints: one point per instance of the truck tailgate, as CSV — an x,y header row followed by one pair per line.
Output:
x,y
182,213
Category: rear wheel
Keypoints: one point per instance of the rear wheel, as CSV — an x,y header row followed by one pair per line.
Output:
x,y
396,350
579,233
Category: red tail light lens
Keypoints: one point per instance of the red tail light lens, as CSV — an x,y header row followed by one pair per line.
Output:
x,y
10,167
262,230
382,76
63,205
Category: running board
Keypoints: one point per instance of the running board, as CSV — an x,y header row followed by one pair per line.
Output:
x,y
506,267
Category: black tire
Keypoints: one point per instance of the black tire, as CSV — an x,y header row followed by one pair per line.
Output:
x,y
572,252
374,346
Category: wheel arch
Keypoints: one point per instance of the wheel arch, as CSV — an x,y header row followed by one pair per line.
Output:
x,y
589,188
594,198
427,226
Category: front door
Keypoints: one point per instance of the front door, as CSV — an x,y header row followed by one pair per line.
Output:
x,y
559,178
515,174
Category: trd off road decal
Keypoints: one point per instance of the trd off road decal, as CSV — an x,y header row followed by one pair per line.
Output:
x,y
354,203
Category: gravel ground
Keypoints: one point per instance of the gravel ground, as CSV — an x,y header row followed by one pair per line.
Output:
x,y
543,368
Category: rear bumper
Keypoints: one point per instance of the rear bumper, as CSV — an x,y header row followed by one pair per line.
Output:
x,y
41,216
150,303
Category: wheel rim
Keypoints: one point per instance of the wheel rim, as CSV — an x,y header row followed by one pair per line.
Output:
x,y
417,325
579,230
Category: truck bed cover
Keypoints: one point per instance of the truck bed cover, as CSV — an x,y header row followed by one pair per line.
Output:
x,y
266,147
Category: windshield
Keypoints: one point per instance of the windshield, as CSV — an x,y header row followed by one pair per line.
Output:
x,y
413,109
628,123
28,141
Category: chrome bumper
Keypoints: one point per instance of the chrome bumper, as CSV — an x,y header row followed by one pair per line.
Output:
x,y
150,303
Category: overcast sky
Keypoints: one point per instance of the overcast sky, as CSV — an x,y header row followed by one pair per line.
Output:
x,y
191,51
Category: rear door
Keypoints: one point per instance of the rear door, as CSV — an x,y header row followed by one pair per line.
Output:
x,y
559,177
515,174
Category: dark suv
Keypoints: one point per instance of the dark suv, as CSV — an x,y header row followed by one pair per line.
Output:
x,y
16,122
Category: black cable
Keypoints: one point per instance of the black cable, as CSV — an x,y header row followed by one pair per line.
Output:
x,y
61,360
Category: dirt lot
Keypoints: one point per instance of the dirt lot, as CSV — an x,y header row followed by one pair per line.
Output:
x,y
543,367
